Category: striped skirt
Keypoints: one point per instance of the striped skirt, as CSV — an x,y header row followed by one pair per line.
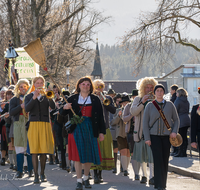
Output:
x,y
82,145
106,147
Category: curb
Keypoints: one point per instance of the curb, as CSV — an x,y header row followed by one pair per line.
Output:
x,y
183,171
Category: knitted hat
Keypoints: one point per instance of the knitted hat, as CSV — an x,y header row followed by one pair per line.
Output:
x,y
159,86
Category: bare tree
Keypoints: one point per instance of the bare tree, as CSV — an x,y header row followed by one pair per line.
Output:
x,y
65,27
156,33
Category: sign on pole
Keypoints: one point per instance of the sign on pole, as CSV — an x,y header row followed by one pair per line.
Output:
x,y
26,67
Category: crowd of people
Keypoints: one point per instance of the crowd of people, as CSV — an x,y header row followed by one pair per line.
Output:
x,y
86,133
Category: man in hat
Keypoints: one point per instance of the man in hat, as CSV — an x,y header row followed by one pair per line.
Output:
x,y
116,99
111,93
121,135
129,121
145,88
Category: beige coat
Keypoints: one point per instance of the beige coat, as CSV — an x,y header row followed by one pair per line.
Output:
x,y
126,116
137,110
119,123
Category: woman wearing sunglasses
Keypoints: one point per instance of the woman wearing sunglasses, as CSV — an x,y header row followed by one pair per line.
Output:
x,y
83,147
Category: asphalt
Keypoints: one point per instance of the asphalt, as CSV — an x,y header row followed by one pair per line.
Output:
x,y
187,166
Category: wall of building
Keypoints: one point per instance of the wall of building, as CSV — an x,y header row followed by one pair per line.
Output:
x,y
192,89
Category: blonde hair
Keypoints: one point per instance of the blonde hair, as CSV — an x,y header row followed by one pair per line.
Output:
x,y
21,81
142,83
34,80
98,82
182,92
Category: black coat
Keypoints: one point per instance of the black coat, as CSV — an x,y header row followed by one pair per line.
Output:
x,y
38,111
182,106
173,98
195,124
15,108
98,123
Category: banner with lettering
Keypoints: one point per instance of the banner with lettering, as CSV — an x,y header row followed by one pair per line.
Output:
x,y
26,67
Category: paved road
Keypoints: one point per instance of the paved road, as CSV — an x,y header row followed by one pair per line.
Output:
x,y
61,180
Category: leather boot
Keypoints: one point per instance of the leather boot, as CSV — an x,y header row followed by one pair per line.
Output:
x,y
100,176
96,177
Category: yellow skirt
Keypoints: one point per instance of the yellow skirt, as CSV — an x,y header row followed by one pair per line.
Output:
x,y
40,138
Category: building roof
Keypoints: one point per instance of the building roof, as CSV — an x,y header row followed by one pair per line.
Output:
x,y
127,86
97,64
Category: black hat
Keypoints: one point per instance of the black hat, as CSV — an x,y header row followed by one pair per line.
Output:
x,y
159,86
134,92
66,92
117,96
125,99
111,91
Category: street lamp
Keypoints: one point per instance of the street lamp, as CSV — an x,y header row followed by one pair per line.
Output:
x,y
68,73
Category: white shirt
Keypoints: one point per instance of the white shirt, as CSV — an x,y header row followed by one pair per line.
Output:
x,y
81,100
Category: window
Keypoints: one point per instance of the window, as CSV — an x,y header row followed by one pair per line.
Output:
x,y
194,85
195,100
188,70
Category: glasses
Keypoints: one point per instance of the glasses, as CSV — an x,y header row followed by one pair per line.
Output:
x,y
83,84
100,86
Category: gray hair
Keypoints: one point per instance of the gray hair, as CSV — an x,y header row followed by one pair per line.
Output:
x,y
182,92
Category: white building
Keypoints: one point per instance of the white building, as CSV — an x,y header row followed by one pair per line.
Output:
x,y
188,77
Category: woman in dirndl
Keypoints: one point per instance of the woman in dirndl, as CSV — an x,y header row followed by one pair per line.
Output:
x,y
40,135
19,129
83,147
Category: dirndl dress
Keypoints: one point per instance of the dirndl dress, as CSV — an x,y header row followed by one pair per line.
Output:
x,y
20,134
40,138
83,147
142,152
106,147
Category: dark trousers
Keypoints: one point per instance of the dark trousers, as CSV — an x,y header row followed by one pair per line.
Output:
x,y
61,147
160,146
183,133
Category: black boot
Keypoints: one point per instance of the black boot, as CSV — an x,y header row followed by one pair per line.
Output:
x,y
96,177
51,160
3,160
183,152
178,152
87,184
36,180
115,159
100,176
19,174
175,151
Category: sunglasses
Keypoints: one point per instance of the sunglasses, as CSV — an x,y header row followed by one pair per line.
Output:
x,y
84,84
101,86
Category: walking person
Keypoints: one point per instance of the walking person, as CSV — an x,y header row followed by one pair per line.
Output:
x,y
121,135
83,146
156,133
40,135
116,100
19,121
195,126
129,121
182,106
142,153
106,146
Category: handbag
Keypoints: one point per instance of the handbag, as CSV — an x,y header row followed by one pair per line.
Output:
x,y
69,127
174,141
